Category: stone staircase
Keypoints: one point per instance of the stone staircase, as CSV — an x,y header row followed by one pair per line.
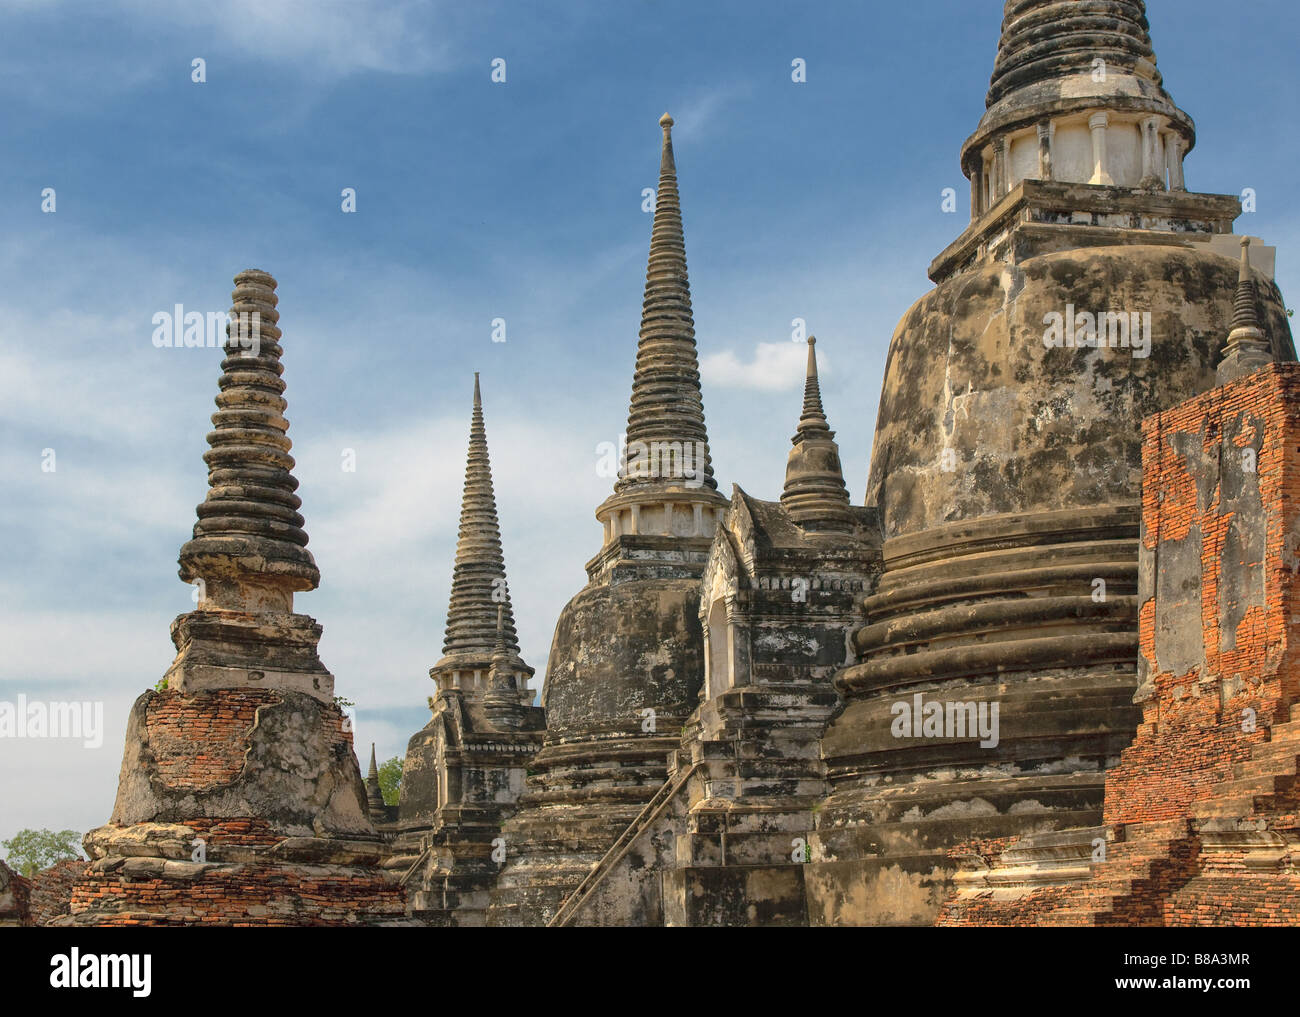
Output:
x,y
1268,783
1129,887
618,850
1156,859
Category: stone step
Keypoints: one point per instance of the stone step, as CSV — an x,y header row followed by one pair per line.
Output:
x,y
752,848
738,790
1246,805
916,802
1262,784
1132,901
1269,757
893,842
1287,730
1164,830
1120,873
1087,917
760,769
1121,867
804,754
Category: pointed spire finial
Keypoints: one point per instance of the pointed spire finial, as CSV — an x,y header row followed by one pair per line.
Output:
x,y
479,615
815,494
667,409
1247,349
813,417
1245,284
248,554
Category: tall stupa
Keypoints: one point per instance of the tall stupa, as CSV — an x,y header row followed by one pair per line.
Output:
x,y
626,662
1090,290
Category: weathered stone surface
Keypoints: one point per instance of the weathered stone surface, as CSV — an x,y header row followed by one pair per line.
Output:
x,y
1007,465
249,545
806,712
294,765
1075,95
14,894
1201,811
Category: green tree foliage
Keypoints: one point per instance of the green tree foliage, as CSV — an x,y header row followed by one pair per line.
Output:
x,y
29,851
390,779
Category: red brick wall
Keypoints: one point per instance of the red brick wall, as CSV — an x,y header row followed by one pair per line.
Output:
x,y
1192,731
1024,911
235,832
1260,899
200,740
253,894
51,888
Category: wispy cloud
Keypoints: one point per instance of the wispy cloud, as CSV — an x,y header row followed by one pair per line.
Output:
x,y
394,36
700,111
315,40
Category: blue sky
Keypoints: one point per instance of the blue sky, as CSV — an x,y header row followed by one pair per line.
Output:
x,y
475,200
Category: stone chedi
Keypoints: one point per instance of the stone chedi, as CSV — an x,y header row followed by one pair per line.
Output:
x,y
240,799
815,496
464,772
1248,348
625,664
779,599
375,806
1090,290
722,841
1201,823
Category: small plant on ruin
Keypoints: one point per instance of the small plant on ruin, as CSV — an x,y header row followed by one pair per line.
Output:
x,y
161,685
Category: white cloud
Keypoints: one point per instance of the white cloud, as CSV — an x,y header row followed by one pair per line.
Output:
x,y
775,367
397,36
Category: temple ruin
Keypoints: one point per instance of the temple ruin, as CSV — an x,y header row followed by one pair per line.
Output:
x,y
1079,526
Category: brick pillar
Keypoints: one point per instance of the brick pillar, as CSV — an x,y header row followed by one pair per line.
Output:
x,y
1218,586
